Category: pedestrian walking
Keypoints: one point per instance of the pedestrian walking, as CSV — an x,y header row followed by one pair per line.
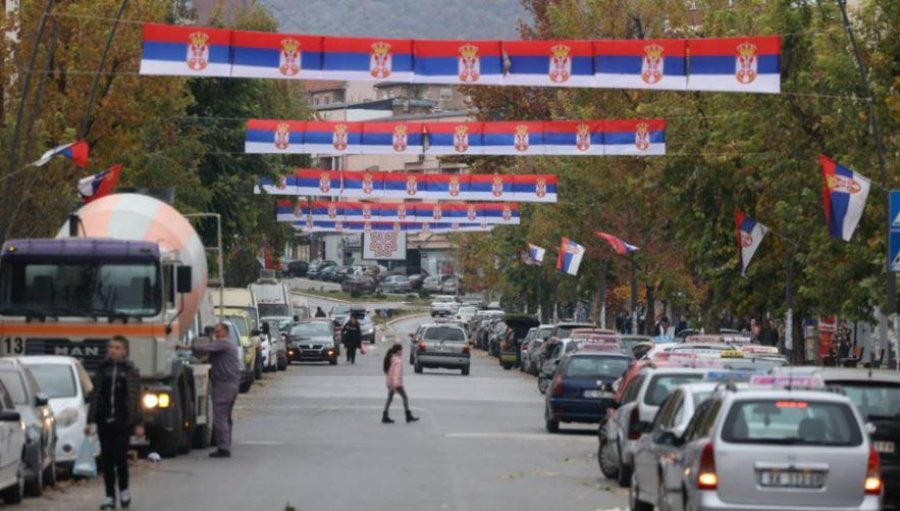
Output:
x,y
225,377
320,313
116,411
393,369
842,339
351,337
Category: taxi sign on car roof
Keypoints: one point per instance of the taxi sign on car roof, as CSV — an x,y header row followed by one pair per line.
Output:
x,y
731,354
594,347
728,376
756,349
788,381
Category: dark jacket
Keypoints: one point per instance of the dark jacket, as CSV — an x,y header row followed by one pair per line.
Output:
x,y
127,380
351,335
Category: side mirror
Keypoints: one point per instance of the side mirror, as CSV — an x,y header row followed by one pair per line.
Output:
x,y
185,279
41,399
208,331
10,416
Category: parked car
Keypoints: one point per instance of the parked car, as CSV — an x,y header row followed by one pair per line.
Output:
x,y
395,284
67,386
444,305
341,273
312,341
268,352
445,346
339,315
432,284
366,323
297,269
450,285
531,354
276,330
358,284
328,273
582,389
315,269
40,425
12,449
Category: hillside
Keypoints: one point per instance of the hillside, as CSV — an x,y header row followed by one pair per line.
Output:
x,y
437,19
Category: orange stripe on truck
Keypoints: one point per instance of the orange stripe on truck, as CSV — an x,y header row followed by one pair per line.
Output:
x,y
82,330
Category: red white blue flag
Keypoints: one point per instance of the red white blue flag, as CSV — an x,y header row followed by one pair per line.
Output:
x,y
618,245
570,256
750,234
273,55
736,64
100,184
392,138
458,62
454,138
549,63
366,59
536,253
844,194
185,51
638,137
75,151
641,64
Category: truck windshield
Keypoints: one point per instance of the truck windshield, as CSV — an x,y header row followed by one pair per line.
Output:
x,y
79,288
272,309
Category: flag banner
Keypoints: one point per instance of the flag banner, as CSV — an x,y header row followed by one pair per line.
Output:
x,y
573,138
361,212
549,63
365,59
176,50
452,212
379,246
310,225
404,185
273,55
844,194
736,64
536,253
392,138
570,256
78,152
454,138
750,234
641,64
501,213
396,212
458,62
100,184
634,137
617,244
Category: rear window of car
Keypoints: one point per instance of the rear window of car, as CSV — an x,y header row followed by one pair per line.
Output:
x,y
874,400
791,422
440,333
311,329
564,331
55,380
661,385
15,386
596,367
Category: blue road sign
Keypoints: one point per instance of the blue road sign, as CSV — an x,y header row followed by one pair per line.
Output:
x,y
894,236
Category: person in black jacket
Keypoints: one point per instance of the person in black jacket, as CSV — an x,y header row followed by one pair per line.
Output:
x,y
351,335
115,409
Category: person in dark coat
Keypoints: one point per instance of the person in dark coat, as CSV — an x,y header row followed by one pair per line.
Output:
x,y
225,377
320,313
351,336
115,408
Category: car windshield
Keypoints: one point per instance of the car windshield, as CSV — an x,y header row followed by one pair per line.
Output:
x,y
315,329
56,380
662,385
14,385
442,333
874,399
596,367
340,311
544,333
565,330
789,421
79,287
239,322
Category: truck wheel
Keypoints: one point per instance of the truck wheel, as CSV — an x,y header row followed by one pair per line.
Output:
x,y
258,369
188,423
168,443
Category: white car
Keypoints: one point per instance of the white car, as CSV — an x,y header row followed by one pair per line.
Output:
x,y
269,354
12,467
67,384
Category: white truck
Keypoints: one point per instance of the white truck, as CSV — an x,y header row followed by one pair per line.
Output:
x,y
125,264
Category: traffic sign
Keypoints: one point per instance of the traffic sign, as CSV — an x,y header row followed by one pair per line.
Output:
x,y
894,235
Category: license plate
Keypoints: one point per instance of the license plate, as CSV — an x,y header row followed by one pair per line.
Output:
x,y
597,394
885,447
791,479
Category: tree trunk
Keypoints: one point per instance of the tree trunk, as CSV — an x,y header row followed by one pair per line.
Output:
x,y
650,316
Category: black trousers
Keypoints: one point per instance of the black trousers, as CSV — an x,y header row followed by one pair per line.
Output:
x,y
114,439
351,354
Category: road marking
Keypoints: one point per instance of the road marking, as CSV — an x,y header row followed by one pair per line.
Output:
x,y
524,436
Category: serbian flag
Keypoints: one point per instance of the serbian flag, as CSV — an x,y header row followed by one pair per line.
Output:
x,y
284,185
736,64
844,194
392,138
363,185
76,151
454,138
492,187
501,213
273,55
549,63
100,184
574,138
458,62
535,187
361,211
263,136
447,186
617,244
514,137
641,64
176,50
404,185
287,210
350,58
396,212
330,137
570,256
536,253
750,234
636,137
318,182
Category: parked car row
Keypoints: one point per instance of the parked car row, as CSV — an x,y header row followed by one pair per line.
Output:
x,y
371,279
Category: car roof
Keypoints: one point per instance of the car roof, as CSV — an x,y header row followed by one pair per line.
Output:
x,y
49,359
604,354
447,324
846,374
787,395
654,370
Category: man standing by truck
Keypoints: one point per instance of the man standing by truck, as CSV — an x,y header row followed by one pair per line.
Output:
x,y
225,376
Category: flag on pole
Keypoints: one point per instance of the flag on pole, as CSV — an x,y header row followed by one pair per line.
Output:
x,y
749,235
76,151
536,253
617,244
844,194
100,184
570,256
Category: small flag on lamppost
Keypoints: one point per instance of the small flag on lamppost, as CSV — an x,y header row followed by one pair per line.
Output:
x,y
570,256
536,253
844,194
750,234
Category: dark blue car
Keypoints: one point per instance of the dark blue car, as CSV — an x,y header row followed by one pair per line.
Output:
x,y
581,390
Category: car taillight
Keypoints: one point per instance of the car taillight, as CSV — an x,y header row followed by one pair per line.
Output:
x,y
558,386
633,420
706,475
421,346
873,474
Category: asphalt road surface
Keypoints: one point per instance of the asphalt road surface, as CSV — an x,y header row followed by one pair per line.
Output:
x,y
311,437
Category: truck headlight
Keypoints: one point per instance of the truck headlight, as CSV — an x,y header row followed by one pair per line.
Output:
x,y
157,400
67,417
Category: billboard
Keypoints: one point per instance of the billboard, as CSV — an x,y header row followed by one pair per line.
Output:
x,y
389,245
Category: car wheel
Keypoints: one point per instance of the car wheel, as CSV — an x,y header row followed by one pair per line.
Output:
x,y
551,424
282,364
634,501
624,476
465,371
418,368
50,473
608,466
35,486
246,383
543,383
258,369
333,362
411,360
15,493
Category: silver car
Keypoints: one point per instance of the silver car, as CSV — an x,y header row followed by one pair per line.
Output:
x,y
777,449
443,345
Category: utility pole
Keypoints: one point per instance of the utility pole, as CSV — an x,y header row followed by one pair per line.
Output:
x,y
634,296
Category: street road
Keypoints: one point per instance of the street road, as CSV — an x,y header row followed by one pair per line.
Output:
x,y
312,437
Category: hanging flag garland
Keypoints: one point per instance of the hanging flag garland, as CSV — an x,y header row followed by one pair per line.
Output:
x,y
310,225
491,213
